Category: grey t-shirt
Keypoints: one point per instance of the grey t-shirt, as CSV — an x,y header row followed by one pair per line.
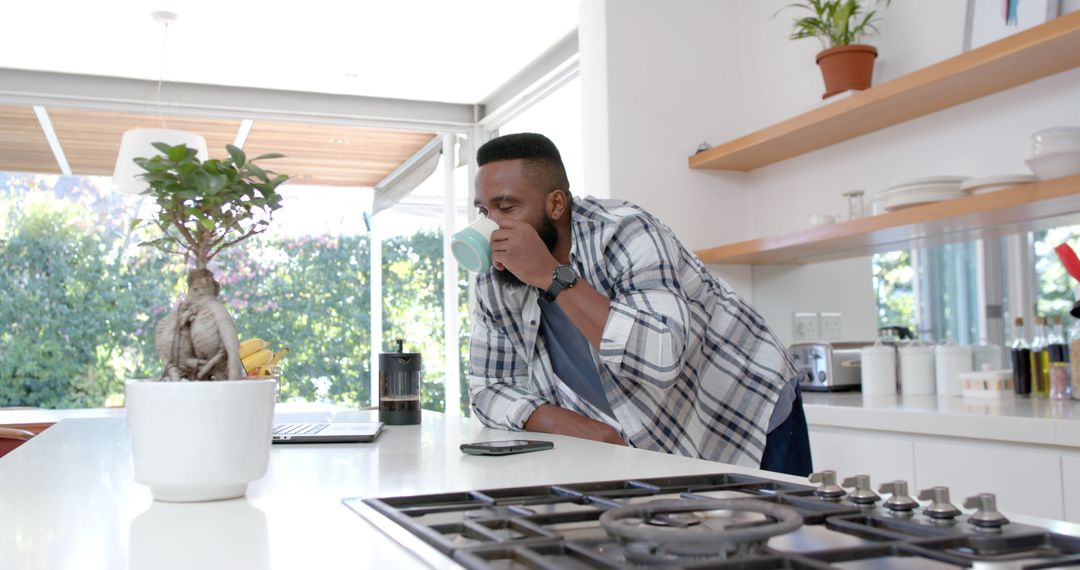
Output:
x,y
571,355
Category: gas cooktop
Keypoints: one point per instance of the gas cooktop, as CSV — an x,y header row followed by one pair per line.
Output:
x,y
717,521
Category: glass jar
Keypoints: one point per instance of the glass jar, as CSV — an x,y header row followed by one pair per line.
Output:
x,y
855,204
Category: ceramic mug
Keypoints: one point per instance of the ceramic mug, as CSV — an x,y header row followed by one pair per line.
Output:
x,y
472,245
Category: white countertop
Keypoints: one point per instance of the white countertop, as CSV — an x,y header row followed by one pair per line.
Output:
x,y
1018,419
68,498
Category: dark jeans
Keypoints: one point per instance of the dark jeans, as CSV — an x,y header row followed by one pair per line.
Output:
x,y
787,448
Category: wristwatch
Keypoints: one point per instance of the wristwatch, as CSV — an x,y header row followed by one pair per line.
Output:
x,y
564,278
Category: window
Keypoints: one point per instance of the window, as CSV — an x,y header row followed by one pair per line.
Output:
x,y
83,297
972,292
1054,286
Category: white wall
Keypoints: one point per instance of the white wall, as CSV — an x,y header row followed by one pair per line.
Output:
x,y
682,71
649,74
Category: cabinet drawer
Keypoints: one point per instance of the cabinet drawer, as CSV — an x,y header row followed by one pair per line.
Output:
x,y
883,457
1027,482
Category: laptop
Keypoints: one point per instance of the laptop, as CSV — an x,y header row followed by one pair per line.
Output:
x,y
327,432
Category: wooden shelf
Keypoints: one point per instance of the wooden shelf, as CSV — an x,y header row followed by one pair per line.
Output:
x,y
1038,52
1034,206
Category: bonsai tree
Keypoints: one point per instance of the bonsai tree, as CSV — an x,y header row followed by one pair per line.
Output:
x,y
204,207
834,22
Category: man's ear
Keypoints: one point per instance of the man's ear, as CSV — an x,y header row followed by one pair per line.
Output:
x,y
557,203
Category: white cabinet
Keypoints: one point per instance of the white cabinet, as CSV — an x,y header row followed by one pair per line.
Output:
x,y
1024,481
884,457
1070,474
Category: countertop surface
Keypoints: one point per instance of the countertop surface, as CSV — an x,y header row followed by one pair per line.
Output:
x,y
68,498
1018,419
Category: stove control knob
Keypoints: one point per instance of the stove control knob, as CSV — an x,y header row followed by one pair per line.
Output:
x,y
940,508
986,515
863,493
828,489
899,502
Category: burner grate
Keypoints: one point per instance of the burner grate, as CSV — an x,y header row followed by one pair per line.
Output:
x,y
688,522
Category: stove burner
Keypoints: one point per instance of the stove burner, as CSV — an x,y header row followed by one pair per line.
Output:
x,y
660,531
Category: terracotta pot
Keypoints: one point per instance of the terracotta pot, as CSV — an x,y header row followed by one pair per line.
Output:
x,y
846,67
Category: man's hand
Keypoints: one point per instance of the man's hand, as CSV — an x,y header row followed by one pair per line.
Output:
x,y
516,247
553,419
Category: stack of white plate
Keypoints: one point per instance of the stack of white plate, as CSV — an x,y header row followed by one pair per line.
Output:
x,y
988,184
925,190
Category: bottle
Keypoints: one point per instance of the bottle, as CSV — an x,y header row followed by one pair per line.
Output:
x,y
1020,352
1040,360
1059,361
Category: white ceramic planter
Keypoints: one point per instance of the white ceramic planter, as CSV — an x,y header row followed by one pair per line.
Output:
x,y
200,441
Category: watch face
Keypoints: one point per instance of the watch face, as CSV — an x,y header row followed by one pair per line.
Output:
x,y
565,274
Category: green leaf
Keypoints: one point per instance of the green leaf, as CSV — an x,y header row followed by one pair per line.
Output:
x,y
268,156
163,147
237,155
134,224
177,153
207,224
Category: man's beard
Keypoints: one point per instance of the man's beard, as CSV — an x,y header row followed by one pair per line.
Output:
x,y
548,234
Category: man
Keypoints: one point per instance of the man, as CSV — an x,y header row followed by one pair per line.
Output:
x,y
595,322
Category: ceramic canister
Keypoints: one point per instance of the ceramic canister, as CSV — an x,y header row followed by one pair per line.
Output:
x,y
916,370
986,357
950,361
878,370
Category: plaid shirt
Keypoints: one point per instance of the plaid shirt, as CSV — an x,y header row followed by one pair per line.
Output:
x,y
687,366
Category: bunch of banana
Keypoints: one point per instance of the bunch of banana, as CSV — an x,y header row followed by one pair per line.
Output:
x,y
259,360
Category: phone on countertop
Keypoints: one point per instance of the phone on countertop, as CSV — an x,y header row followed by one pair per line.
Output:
x,y
505,447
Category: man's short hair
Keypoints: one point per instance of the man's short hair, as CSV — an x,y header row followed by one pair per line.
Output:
x,y
542,163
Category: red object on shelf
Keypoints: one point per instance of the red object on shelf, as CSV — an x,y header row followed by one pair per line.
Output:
x,y
1069,260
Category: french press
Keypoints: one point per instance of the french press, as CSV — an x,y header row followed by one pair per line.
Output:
x,y
399,387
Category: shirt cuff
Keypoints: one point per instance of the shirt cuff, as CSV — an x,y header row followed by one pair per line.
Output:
x,y
521,409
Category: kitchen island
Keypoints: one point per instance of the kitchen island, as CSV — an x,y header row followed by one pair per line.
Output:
x,y
68,498
1027,450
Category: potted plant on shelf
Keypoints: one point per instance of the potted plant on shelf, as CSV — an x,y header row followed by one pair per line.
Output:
x,y
840,25
202,430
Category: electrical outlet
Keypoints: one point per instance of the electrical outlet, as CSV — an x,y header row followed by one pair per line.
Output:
x,y
805,326
829,326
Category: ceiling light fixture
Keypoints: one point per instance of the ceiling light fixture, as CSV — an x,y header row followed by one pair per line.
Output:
x,y
138,143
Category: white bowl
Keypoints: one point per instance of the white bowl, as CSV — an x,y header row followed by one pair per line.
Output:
x,y
1057,134
821,219
1057,165
921,194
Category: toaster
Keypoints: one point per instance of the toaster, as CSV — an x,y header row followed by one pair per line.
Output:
x,y
828,366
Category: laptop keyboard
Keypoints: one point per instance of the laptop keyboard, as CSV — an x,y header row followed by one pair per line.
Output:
x,y
299,429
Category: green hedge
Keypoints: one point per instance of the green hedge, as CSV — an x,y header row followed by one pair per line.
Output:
x,y
82,300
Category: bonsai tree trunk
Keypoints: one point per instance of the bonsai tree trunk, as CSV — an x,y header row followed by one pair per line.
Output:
x,y
197,340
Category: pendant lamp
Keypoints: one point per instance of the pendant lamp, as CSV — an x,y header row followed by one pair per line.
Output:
x,y
138,143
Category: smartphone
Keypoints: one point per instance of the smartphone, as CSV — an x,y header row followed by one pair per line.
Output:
x,y
505,447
